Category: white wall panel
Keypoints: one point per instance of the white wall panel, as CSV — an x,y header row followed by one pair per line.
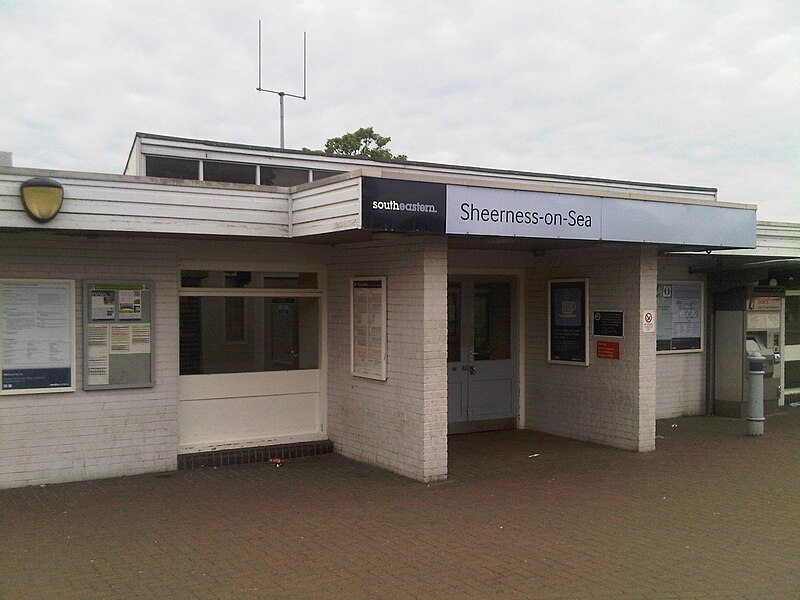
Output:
x,y
119,203
333,207
48,438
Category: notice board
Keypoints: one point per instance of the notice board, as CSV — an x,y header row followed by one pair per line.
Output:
x,y
679,321
118,335
37,335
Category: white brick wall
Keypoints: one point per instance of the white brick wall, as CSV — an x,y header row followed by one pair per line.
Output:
x,y
610,401
48,438
401,423
680,378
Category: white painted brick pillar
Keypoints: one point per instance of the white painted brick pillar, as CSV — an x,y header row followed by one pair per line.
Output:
x,y
648,282
401,423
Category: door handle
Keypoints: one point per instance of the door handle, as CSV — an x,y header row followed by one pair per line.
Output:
x,y
472,370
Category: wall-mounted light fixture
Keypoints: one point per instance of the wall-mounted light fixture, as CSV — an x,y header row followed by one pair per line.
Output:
x,y
41,198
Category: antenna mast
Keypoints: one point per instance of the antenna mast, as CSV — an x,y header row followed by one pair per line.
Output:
x,y
281,94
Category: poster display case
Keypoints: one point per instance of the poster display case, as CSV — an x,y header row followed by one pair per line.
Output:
x,y
368,327
567,324
37,335
679,321
118,335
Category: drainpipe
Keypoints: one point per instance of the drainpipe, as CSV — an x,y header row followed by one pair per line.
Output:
x,y
710,351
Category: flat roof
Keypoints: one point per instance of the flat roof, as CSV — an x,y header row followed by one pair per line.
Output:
x,y
421,164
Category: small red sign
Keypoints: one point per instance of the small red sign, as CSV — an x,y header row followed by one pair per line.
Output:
x,y
608,350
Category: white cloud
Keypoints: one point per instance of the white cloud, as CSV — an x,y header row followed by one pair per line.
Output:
x,y
681,92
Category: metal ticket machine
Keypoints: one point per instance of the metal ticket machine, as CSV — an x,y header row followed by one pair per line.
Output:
x,y
747,320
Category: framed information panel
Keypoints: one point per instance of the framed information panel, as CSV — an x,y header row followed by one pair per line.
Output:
x,y
568,330
368,327
118,335
37,335
679,320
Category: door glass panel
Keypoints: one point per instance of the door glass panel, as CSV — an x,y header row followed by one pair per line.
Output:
x,y
792,320
791,373
454,323
492,321
280,348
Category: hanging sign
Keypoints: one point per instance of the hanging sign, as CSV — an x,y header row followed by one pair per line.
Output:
x,y
403,205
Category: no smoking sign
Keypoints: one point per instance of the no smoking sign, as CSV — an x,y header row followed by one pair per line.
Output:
x,y
648,321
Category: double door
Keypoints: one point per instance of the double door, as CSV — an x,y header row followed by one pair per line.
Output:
x,y
481,356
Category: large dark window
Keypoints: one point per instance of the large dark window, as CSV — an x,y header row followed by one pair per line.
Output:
x,y
283,176
173,168
249,279
228,172
244,321
269,334
320,174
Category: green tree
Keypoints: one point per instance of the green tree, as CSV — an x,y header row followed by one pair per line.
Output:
x,y
362,142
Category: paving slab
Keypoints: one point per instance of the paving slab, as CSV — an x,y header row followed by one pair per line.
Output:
x,y
711,513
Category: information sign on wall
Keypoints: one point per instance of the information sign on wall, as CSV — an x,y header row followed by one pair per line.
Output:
x,y
37,335
368,327
118,336
567,323
679,322
606,349
607,323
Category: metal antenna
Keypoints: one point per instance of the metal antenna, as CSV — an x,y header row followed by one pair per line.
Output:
x,y
281,95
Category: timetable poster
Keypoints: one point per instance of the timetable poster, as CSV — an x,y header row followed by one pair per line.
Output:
x,y
368,307
37,335
680,316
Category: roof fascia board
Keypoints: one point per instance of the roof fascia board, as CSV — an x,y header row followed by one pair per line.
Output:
x,y
556,187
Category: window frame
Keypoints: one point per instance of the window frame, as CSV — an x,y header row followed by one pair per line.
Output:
x,y
262,293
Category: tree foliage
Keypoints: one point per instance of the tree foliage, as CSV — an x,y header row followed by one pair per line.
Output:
x,y
362,142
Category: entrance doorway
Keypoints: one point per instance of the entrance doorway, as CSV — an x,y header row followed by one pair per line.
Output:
x,y
481,354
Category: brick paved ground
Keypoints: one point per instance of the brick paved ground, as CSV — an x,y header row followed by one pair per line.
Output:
x,y
710,514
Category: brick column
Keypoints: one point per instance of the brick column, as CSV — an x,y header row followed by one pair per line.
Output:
x,y
401,423
648,282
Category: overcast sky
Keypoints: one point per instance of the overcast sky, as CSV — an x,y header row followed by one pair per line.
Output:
x,y
686,92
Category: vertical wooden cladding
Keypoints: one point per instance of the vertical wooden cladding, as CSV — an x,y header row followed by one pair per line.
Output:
x,y
326,208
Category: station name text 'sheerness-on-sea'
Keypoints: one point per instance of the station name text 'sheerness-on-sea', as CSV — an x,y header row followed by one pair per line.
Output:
x,y
469,212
